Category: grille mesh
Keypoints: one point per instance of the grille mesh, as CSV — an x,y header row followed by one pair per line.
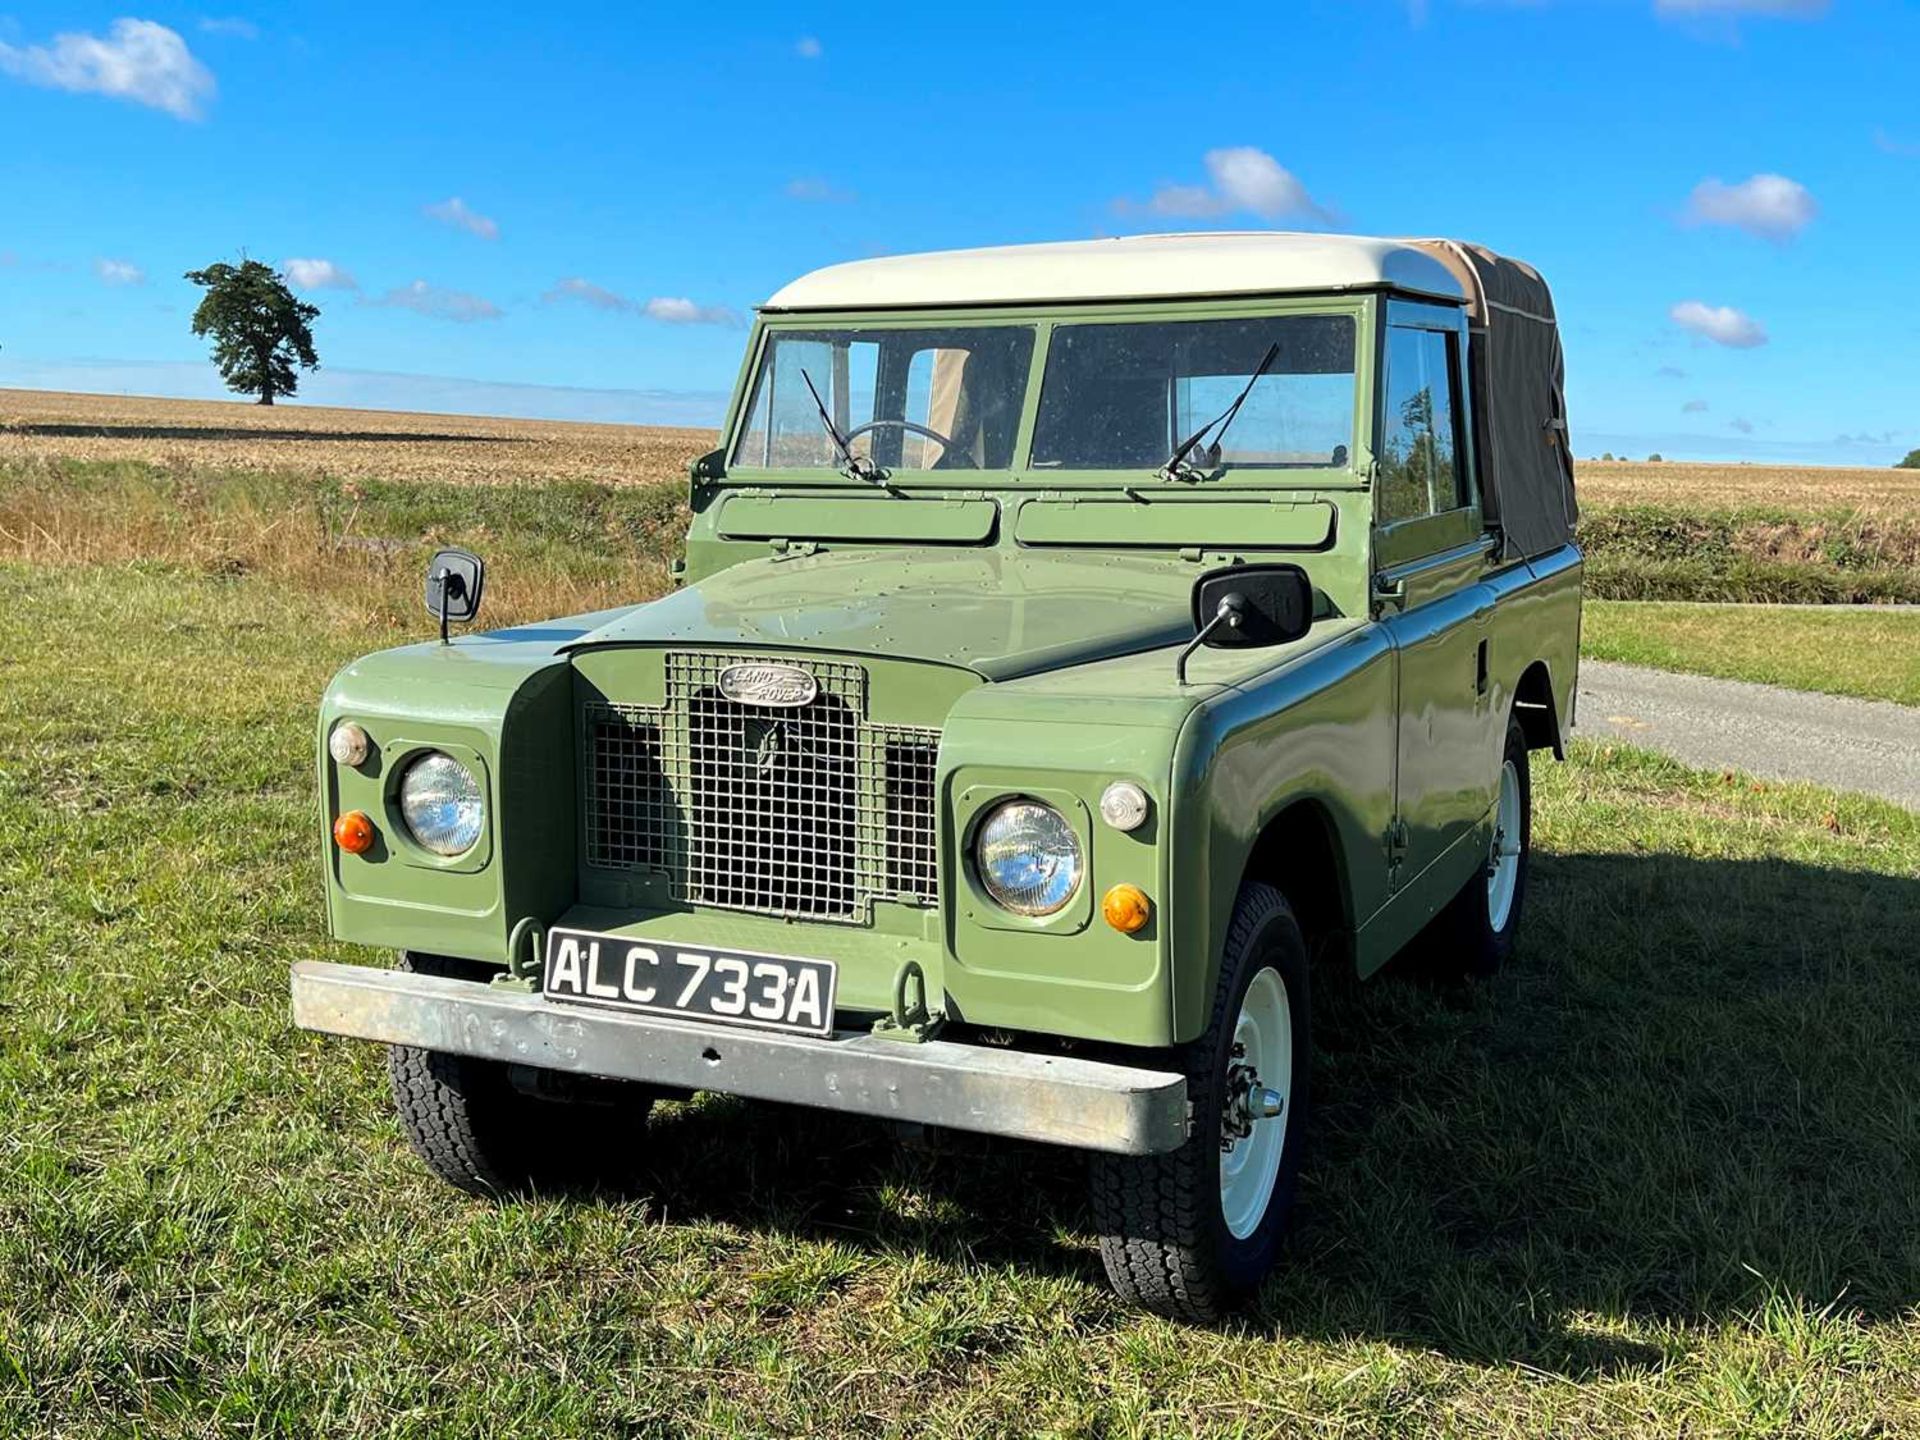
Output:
x,y
808,812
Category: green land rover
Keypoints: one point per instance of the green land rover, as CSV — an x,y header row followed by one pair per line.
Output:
x,y
1075,647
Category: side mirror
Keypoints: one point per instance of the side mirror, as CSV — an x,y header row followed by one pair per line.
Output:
x,y
1244,606
455,580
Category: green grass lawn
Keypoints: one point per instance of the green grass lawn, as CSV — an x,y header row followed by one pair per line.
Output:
x,y
1842,652
1662,1176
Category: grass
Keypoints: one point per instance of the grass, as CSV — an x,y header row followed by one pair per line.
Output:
x,y
1660,1177
1874,655
355,547
1682,552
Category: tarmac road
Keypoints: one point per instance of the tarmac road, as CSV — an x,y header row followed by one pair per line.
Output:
x,y
1872,746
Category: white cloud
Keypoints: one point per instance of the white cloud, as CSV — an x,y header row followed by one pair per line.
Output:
x,y
813,188
808,47
457,213
588,293
439,304
678,310
1242,180
1793,9
319,275
229,25
138,61
1888,145
1694,407
1721,324
1770,206
668,309
119,272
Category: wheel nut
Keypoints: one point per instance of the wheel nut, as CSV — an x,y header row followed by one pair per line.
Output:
x,y
1266,1104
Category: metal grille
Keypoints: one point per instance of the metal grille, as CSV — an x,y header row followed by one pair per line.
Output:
x,y
808,812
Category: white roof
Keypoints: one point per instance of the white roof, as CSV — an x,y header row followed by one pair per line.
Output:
x,y
1252,262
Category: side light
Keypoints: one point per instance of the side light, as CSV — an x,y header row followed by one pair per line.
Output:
x,y
353,832
1123,805
349,745
1126,908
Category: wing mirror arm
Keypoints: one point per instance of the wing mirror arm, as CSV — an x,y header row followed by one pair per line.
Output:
x,y
1232,613
455,582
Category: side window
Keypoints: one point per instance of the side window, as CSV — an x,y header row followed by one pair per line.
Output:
x,y
1422,469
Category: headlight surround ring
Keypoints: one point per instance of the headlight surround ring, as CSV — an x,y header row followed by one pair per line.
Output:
x,y
441,804
1028,858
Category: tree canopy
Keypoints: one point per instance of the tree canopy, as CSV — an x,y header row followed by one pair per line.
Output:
x,y
261,330
1912,462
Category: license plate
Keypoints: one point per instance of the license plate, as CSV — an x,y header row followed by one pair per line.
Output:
x,y
727,987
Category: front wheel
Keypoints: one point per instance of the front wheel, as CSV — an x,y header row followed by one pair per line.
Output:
x,y
489,1128
1191,1234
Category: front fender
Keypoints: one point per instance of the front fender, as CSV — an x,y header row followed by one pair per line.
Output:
x,y
1319,728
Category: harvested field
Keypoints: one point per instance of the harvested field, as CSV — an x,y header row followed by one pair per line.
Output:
x,y
1787,487
369,444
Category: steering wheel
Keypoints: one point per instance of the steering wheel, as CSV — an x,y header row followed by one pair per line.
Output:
x,y
942,441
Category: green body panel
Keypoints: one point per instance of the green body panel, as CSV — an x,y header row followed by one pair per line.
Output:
x,y
820,517
1281,522
999,613
1032,618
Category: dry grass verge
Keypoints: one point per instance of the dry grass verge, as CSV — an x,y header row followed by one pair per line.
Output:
x,y
358,547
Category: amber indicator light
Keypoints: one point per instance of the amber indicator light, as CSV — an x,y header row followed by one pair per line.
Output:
x,y
1126,908
353,832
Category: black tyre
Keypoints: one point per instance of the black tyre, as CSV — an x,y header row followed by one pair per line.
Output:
x,y
1192,1233
491,1129
1474,935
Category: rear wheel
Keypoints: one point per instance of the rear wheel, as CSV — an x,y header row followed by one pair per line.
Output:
x,y
489,1128
1474,935
1192,1233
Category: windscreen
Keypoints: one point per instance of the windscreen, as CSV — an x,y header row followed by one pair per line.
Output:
x,y
903,398
1125,396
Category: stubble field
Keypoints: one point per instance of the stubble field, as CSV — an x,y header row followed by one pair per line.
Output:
x,y
1661,1177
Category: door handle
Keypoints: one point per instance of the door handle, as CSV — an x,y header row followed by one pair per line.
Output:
x,y
1389,593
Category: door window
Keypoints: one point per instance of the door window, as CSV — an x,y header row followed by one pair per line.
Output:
x,y
1422,469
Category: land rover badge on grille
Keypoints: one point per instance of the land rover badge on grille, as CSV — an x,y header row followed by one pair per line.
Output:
x,y
782,686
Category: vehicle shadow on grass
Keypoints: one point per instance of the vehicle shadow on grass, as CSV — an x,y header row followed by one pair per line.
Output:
x,y
1696,1088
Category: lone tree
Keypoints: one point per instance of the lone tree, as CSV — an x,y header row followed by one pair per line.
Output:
x,y
261,330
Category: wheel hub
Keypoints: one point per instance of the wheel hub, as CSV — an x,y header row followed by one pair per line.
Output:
x,y
1248,1102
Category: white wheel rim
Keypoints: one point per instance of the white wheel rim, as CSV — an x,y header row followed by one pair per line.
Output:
x,y
1250,1146
1503,863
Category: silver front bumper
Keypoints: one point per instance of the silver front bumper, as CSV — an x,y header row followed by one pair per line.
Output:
x,y
1057,1099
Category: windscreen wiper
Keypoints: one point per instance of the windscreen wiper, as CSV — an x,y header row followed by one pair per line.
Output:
x,y
858,466
1176,467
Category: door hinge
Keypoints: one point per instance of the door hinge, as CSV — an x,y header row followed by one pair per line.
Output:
x,y
1397,840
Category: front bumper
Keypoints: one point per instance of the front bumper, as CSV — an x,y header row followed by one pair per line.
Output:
x,y
1060,1100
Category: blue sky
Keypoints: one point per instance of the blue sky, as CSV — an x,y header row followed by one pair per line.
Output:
x,y
565,211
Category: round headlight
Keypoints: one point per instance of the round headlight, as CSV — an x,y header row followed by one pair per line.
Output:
x,y
1028,858
441,803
